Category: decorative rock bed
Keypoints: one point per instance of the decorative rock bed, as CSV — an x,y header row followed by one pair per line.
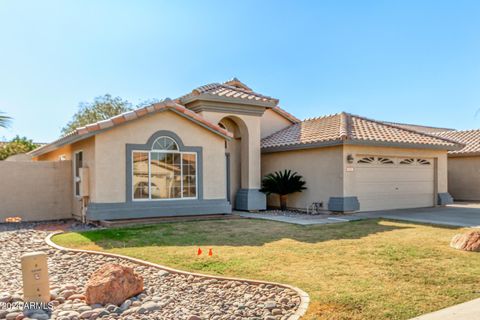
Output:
x,y
167,295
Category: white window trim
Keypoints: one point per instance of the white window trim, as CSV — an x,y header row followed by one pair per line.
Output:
x,y
150,172
165,137
74,173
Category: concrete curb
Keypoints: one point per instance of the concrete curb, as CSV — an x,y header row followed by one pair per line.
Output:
x,y
304,297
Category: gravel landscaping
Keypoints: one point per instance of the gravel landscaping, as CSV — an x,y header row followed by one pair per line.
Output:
x,y
166,296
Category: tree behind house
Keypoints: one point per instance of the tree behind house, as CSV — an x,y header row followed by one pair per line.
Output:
x,y
16,146
102,108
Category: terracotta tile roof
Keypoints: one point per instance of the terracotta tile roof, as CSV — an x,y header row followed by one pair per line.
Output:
x,y
470,138
91,129
416,127
233,89
347,128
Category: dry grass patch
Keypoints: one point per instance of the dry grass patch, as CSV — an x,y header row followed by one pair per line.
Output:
x,y
371,269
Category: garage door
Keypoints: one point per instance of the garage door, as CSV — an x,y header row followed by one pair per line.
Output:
x,y
394,183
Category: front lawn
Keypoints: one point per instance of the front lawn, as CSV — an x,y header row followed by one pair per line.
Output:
x,y
371,269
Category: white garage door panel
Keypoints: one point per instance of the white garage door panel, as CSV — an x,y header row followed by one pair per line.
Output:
x,y
400,187
394,186
376,174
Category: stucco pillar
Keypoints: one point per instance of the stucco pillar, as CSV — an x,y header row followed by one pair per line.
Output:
x,y
248,198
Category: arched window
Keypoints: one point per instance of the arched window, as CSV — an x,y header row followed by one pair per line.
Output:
x,y
165,143
164,172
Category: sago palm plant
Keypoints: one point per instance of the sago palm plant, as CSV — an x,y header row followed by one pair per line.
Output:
x,y
282,183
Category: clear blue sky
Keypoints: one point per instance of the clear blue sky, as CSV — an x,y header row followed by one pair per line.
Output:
x,y
405,61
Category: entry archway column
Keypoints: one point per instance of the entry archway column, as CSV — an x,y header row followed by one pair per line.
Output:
x,y
249,197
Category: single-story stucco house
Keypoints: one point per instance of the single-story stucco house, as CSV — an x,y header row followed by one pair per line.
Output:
x,y
206,152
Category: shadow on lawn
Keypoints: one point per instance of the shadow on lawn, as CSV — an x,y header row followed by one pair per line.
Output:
x,y
232,233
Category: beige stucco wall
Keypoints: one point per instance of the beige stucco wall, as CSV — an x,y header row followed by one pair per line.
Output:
x,y
464,178
110,158
321,168
327,172
356,151
35,191
87,146
272,122
56,154
250,144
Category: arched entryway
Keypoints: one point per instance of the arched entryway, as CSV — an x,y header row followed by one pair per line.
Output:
x,y
236,157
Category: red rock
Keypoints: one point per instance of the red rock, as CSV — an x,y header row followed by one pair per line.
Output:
x,y
469,241
112,283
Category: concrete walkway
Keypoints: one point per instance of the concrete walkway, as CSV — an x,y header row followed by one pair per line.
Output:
x,y
457,215
469,311
303,220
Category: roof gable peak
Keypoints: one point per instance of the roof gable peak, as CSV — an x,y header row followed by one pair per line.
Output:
x,y
234,82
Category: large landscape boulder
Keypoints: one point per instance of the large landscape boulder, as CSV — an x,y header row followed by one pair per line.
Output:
x,y
112,284
469,241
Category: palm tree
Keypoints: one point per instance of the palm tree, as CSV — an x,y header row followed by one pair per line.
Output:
x,y
283,184
4,121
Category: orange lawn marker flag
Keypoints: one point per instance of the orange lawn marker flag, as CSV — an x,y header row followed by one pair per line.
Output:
x,y
210,252
199,252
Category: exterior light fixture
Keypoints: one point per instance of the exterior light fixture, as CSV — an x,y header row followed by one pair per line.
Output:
x,y
349,158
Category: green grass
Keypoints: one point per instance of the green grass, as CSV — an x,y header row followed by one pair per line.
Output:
x,y
371,269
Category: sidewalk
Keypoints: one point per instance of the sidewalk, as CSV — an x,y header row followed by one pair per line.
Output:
x,y
469,311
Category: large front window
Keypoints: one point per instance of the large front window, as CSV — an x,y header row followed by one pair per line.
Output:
x,y
164,172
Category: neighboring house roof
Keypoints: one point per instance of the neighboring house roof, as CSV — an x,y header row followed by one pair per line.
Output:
x,y
416,127
232,90
97,127
345,128
470,138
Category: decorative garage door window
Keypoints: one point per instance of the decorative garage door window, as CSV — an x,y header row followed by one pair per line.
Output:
x,y
164,172
373,160
376,160
415,161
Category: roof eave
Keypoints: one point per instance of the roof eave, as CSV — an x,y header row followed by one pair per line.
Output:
x,y
330,143
463,154
78,137
61,142
404,145
208,97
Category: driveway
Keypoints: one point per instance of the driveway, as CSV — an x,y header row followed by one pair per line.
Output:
x,y
458,214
